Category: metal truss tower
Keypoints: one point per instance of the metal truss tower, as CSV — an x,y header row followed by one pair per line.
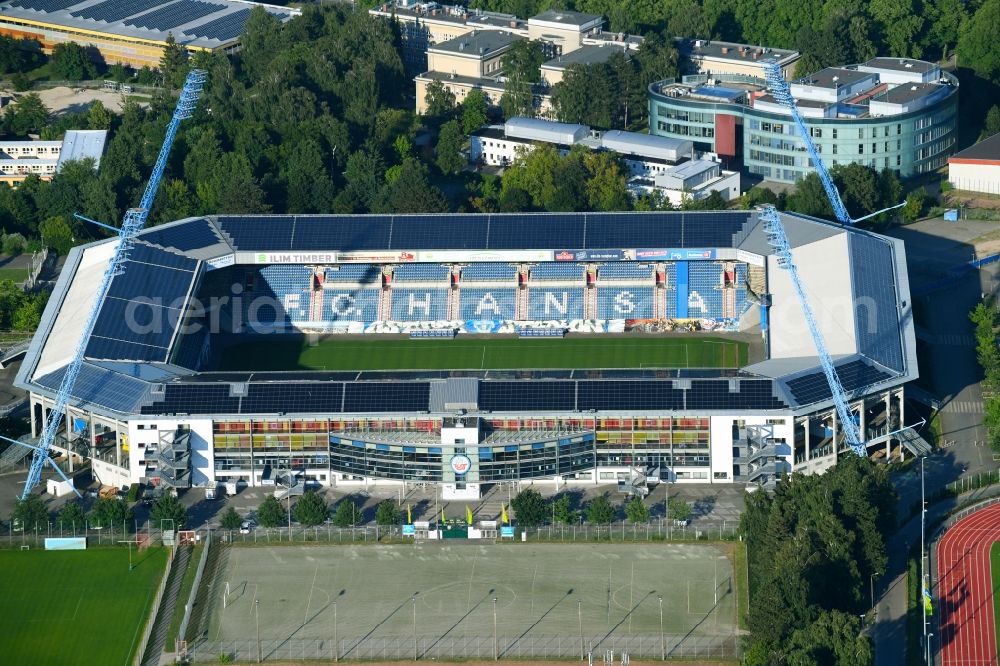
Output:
x,y
134,221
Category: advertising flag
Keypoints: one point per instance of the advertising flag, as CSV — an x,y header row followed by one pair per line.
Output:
x,y
443,519
468,514
409,515
503,515
928,606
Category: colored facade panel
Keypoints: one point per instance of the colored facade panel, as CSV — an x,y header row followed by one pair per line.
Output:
x,y
725,135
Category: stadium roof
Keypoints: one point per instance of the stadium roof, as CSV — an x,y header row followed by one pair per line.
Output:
x,y
200,23
856,282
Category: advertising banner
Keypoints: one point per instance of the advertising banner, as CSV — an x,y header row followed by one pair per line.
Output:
x,y
749,258
674,254
589,255
65,543
221,262
507,531
463,256
376,257
483,325
286,257
409,530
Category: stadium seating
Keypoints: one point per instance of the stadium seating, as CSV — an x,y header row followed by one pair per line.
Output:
x,y
557,271
354,273
421,273
419,304
280,295
351,305
624,302
477,303
555,303
489,273
624,270
704,290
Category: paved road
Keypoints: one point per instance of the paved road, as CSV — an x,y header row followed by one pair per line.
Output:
x,y
950,360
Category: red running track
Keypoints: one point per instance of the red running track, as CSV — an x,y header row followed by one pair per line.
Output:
x,y
965,590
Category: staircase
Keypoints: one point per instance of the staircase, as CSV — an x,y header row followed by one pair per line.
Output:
x,y
729,302
453,303
385,304
590,303
209,591
316,305
491,504
521,312
756,280
165,613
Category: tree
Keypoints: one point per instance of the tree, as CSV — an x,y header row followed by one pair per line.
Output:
x,y
606,186
72,516
168,507
600,511
585,96
945,18
98,116
636,511
231,520
521,67
387,513
809,198
28,115
270,513
57,234
173,63
562,510
311,509
346,514
834,637
978,47
915,203
439,100
474,111
410,191
69,61
310,188
678,509
529,508
30,513
449,148
110,512
991,125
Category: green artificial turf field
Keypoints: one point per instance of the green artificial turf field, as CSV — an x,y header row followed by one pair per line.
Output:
x,y
75,607
465,353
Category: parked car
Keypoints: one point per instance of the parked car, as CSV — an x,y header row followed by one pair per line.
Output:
x,y
246,527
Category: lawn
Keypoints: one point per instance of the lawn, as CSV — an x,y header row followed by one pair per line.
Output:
x,y
464,353
14,274
75,607
995,570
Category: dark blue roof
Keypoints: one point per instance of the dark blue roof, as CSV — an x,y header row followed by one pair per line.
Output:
x,y
515,231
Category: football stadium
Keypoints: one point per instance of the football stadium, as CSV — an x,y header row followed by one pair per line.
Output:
x,y
461,351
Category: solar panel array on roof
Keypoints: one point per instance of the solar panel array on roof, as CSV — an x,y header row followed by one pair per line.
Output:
x,y
112,11
617,395
175,14
511,396
752,394
185,237
45,5
101,386
223,28
143,307
875,313
194,399
484,232
302,397
382,397
811,388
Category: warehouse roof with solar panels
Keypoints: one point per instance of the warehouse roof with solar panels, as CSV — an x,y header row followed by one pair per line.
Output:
x,y
195,23
369,284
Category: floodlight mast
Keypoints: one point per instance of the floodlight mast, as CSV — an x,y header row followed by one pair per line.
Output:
x,y
777,239
134,221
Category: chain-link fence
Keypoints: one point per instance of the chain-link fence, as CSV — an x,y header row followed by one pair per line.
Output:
x,y
120,535
616,532
502,646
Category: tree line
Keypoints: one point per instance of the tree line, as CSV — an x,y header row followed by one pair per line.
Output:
x,y
984,318
813,547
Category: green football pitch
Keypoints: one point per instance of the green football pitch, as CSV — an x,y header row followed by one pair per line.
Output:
x,y
75,607
465,353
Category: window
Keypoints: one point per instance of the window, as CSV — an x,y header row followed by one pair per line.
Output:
x,y
834,132
886,146
899,144
721,475
874,149
861,132
898,159
899,128
861,149
834,149
816,132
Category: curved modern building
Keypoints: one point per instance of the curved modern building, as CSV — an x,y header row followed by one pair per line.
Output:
x,y
892,113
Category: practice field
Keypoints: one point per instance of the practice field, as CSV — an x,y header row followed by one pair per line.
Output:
x,y
463,353
75,607
542,592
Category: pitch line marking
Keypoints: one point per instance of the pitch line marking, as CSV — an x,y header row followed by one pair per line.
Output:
x,y
312,587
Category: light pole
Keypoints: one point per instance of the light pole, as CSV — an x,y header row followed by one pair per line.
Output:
x,y
663,647
579,615
336,643
496,653
923,570
289,516
256,615
871,580
927,642
413,600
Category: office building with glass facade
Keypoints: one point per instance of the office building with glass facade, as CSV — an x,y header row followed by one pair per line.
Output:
x,y
891,113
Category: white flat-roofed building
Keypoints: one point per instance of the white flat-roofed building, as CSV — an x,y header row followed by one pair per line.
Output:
x,y
711,57
906,98
833,84
20,159
902,70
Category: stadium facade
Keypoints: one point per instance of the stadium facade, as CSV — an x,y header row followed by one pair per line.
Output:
x,y
896,113
152,403
131,32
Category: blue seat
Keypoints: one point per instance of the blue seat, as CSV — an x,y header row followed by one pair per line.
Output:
x,y
705,289
555,303
624,302
478,303
420,273
341,305
280,294
354,273
557,271
489,272
419,304
625,270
